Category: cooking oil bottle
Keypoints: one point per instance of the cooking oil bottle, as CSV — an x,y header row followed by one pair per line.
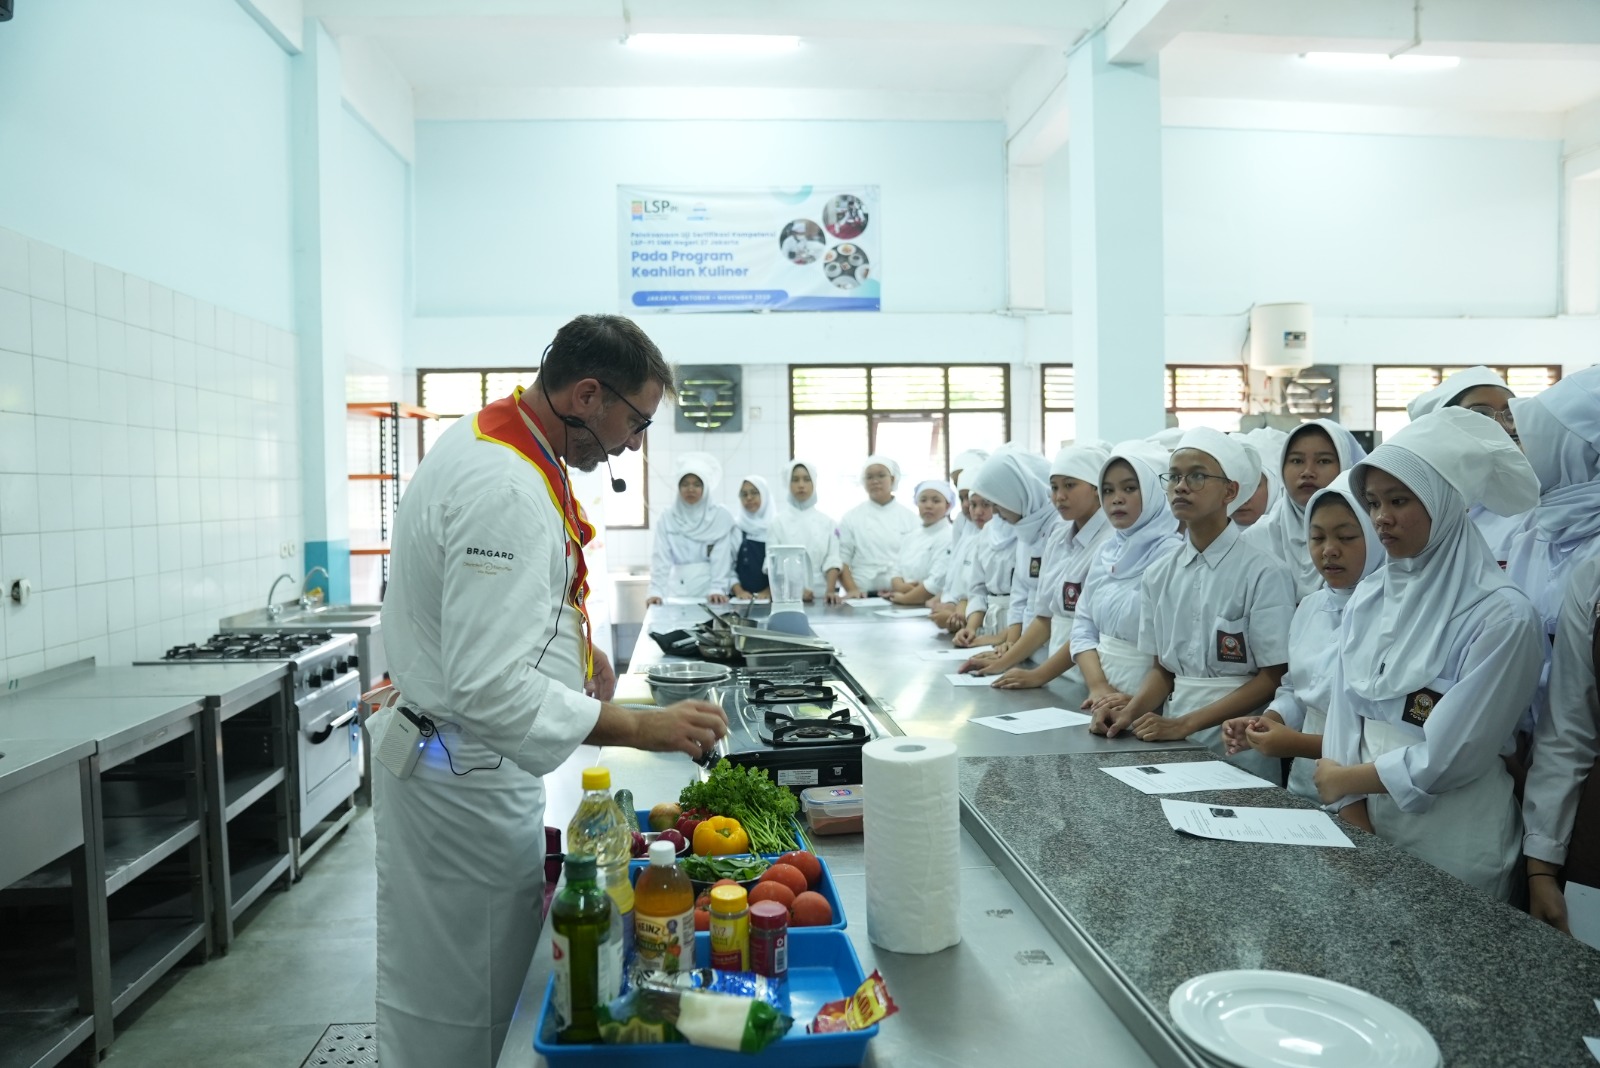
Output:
x,y
600,830
664,913
588,959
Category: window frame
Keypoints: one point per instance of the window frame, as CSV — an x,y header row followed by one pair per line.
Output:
x,y
1438,370
1044,406
483,374
874,416
1171,388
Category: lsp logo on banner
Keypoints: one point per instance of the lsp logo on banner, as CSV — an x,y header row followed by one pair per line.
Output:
x,y
815,248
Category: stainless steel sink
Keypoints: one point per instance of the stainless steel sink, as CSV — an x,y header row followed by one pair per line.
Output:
x,y
290,615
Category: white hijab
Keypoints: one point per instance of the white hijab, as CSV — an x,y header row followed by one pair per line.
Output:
x,y
1446,392
754,524
703,522
1019,482
1154,533
1282,531
966,463
788,476
1268,443
1240,462
1340,487
1560,434
1450,459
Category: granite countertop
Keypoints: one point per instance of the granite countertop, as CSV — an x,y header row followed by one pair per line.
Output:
x,y
1493,986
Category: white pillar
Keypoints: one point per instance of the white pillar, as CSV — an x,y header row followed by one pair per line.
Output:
x,y
1118,300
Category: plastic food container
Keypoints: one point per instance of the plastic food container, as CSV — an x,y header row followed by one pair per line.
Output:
x,y
834,809
823,967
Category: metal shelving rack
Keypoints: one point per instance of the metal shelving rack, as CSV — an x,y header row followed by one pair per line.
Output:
x,y
388,414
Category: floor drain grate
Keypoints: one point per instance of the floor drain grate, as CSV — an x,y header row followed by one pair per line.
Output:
x,y
344,1045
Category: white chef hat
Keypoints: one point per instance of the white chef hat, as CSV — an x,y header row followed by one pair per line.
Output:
x,y
945,490
1470,452
1082,460
1168,438
893,468
1240,461
704,466
968,458
1445,392
1269,443
969,476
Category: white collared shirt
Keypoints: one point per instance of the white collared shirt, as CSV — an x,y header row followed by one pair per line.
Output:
x,y
1069,552
1108,606
1219,613
870,536
813,529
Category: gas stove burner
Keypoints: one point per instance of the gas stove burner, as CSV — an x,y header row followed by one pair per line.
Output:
x,y
765,692
837,729
249,646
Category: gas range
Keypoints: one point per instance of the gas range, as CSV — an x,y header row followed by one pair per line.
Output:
x,y
805,725
317,659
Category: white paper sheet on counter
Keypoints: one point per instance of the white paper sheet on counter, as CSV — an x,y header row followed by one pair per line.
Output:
x,y
905,613
1273,826
1186,778
1583,915
971,680
1034,719
1594,1046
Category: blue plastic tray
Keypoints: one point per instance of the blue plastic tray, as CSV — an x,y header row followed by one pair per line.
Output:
x,y
823,967
825,886
643,816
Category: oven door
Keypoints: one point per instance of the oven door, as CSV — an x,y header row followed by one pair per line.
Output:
x,y
329,749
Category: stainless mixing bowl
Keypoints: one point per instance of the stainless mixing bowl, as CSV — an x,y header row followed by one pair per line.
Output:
x,y
684,681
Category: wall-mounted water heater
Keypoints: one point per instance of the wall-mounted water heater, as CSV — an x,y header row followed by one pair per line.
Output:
x,y
1280,338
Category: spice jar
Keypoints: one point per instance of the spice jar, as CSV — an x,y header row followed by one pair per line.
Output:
x,y
730,929
769,939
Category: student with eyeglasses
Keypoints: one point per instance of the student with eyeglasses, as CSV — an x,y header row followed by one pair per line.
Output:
x,y
1479,390
1214,615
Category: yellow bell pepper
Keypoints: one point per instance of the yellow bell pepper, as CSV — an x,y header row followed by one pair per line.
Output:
x,y
720,836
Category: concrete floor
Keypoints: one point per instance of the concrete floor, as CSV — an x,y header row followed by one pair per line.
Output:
x,y
301,960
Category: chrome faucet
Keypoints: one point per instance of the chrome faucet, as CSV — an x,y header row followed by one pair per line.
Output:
x,y
273,609
305,602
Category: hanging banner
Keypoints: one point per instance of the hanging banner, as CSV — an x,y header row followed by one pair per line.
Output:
x,y
815,248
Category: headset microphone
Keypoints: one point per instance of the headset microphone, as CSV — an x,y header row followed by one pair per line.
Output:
x,y
617,484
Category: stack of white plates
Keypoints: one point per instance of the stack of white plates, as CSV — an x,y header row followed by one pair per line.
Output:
x,y
1260,1019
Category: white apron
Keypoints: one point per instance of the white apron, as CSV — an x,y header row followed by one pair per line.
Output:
x,y
1123,664
1474,832
690,580
467,850
994,618
1060,638
1303,768
1190,693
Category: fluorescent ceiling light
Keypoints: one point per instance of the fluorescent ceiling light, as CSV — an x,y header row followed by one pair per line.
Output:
x,y
712,44
1378,61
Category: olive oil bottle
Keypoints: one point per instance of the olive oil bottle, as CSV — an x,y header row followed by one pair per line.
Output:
x,y
587,940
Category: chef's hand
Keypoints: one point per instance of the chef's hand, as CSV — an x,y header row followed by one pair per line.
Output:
x,y
1545,900
854,594
1271,738
717,598
1111,721
976,664
689,727
1019,679
1329,780
652,600
964,638
1153,728
1102,697
1111,702
603,684
834,597
1233,733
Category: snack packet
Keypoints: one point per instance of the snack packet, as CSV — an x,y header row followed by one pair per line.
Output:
x,y
868,1005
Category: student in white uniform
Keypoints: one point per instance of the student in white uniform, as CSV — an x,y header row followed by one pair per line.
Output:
x,y
1215,614
1313,456
870,534
1268,443
1105,631
1069,551
1440,655
692,554
1565,747
1345,547
1480,390
1017,484
994,563
752,519
954,584
927,547
1560,430
803,523
960,529
487,636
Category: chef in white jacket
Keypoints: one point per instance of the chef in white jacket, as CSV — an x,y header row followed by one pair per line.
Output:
x,y
870,534
927,547
1313,456
1440,655
692,552
1480,390
488,638
801,522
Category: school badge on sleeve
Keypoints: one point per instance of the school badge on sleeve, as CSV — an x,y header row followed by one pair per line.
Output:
x,y
1230,648
1033,566
1419,706
1069,595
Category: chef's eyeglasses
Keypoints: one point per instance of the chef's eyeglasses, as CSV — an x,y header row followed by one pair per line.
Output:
x,y
1502,416
642,427
1195,480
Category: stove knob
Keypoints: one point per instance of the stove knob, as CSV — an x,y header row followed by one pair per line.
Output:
x,y
315,681
344,665
355,661
327,673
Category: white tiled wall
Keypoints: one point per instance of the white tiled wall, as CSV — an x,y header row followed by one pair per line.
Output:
x,y
149,466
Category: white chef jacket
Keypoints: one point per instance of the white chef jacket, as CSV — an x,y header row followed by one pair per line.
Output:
x,y
1567,739
476,620
1108,606
870,536
921,550
992,573
953,581
1488,678
668,551
816,531
1192,603
1068,555
1542,571
1027,572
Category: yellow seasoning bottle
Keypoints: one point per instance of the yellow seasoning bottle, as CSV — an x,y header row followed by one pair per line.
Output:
x,y
730,929
663,913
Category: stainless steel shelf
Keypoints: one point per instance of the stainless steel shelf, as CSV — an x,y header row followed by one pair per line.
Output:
x,y
247,787
250,875
43,1037
143,950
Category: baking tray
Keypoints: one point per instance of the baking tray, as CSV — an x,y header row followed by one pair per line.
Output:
x,y
825,886
823,967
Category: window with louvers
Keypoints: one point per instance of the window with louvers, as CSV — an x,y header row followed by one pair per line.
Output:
x,y
1057,407
454,395
1202,395
1394,386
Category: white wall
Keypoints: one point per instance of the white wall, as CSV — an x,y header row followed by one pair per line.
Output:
x,y
154,138
149,476
372,256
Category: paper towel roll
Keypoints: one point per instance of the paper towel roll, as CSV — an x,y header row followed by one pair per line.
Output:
x,y
913,844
